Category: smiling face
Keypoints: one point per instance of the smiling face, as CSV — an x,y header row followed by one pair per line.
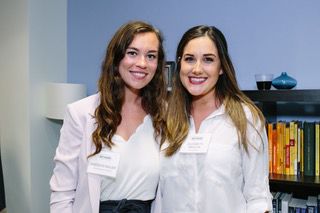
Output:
x,y
200,67
139,63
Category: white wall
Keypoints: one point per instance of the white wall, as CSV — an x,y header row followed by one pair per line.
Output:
x,y
33,51
15,143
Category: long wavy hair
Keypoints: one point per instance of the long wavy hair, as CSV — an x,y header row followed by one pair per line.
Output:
x,y
226,92
111,86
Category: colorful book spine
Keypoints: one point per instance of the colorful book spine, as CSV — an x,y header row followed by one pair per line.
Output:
x,y
293,153
270,131
317,150
287,149
309,148
274,149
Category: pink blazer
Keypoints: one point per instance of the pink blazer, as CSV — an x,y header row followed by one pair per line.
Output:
x,y
73,189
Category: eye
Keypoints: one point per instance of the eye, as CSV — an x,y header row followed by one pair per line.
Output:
x,y
151,57
208,59
189,59
132,53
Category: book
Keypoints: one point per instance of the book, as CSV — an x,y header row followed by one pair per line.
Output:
x,y
312,204
280,147
287,150
270,131
318,203
301,206
317,150
309,148
299,148
293,147
285,202
297,205
274,148
280,201
275,201
292,205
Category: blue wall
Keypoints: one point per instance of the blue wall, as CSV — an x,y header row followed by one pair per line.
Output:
x,y
264,36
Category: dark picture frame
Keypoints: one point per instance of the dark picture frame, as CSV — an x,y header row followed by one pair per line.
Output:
x,y
169,70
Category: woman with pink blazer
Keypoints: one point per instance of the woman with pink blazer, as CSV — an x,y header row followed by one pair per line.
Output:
x,y
107,159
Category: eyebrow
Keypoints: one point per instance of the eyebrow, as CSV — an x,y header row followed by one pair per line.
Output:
x,y
210,54
136,49
206,55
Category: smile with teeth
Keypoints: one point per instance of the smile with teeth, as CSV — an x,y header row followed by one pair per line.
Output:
x,y
138,75
197,80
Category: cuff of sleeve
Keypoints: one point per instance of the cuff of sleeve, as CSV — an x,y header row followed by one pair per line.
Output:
x,y
259,206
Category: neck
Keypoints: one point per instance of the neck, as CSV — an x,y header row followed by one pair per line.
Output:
x,y
132,96
205,104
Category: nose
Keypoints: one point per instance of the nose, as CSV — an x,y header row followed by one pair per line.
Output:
x,y
142,62
197,68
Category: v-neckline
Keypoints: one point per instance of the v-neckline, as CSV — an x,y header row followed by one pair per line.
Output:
x,y
135,131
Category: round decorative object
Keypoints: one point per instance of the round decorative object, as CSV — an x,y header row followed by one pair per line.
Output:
x,y
284,82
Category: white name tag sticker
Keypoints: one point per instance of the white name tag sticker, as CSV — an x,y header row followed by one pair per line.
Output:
x,y
105,163
196,143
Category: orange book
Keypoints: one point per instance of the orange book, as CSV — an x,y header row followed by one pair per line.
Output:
x,y
280,148
270,131
274,149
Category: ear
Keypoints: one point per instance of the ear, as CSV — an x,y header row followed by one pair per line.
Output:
x,y
221,72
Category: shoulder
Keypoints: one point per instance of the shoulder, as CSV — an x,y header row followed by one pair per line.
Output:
x,y
84,107
252,115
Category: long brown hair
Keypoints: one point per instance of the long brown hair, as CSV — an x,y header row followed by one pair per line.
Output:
x,y
226,91
111,86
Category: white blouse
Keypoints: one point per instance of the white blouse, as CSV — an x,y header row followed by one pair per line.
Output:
x,y
138,172
224,179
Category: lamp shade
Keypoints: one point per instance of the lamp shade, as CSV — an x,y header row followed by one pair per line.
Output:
x,y
59,95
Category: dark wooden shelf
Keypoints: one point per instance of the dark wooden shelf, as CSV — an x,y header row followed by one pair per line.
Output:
x,y
311,95
275,103
300,186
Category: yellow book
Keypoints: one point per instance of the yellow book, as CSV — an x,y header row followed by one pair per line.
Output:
x,y
317,151
295,152
287,150
292,147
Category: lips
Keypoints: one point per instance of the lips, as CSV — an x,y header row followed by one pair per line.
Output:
x,y
197,80
138,75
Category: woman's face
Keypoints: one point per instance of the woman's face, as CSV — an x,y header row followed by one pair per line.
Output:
x,y
200,67
140,61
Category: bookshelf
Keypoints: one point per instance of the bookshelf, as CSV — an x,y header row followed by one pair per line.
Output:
x,y
275,103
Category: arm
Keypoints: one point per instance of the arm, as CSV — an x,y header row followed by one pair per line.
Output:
x,y
255,170
65,174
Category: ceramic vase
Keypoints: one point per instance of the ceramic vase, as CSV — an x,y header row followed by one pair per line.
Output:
x,y
284,81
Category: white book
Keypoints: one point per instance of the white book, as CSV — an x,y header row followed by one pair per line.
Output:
x,y
312,204
302,205
285,203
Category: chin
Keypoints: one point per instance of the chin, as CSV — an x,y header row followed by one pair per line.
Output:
x,y
195,93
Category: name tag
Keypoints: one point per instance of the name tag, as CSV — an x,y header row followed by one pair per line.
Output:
x,y
105,163
196,143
